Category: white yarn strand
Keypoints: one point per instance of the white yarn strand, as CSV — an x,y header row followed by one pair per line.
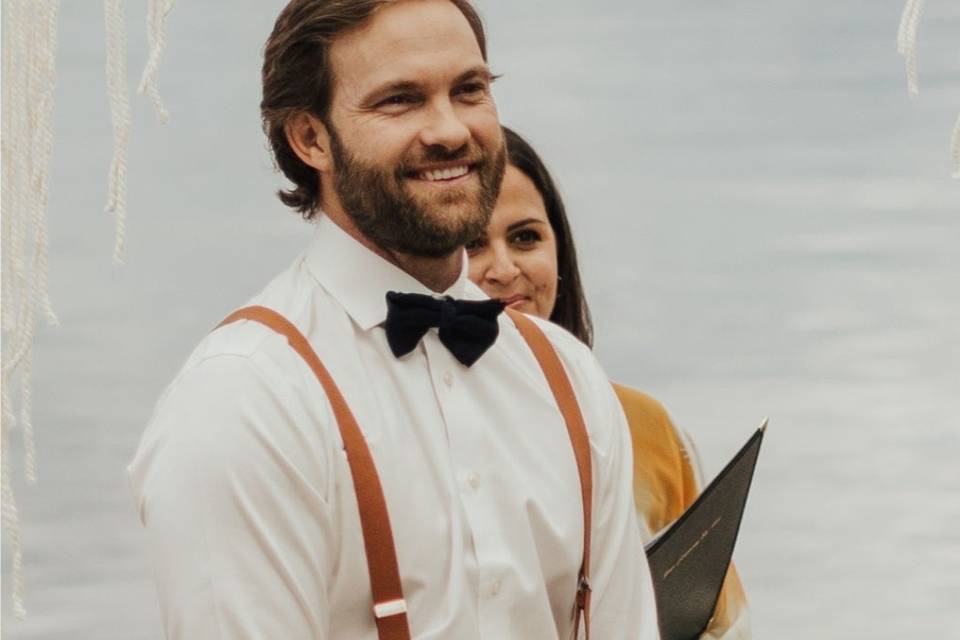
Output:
x,y
15,160
32,179
157,11
9,515
902,27
14,122
907,47
120,115
27,143
26,421
6,151
43,150
907,42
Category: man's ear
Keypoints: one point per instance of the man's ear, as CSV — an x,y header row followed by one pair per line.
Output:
x,y
310,140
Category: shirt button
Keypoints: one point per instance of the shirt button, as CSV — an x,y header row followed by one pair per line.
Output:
x,y
448,379
495,587
473,480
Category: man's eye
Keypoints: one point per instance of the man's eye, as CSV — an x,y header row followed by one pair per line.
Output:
x,y
400,99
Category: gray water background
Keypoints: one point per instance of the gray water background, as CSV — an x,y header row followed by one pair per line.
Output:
x,y
766,227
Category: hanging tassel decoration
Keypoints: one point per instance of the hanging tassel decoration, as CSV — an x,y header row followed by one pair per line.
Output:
x,y
118,97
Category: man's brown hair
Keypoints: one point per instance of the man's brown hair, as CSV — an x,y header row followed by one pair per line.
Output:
x,y
297,78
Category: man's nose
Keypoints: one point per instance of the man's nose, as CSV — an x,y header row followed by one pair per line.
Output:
x,y
444,127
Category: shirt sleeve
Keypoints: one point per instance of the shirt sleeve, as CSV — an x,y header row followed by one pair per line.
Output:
x,y
231,487
623,603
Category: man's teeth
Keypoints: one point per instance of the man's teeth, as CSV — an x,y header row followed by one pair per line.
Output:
x,y
444,174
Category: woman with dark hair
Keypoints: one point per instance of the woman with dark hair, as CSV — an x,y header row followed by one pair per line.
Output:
x,y
527,258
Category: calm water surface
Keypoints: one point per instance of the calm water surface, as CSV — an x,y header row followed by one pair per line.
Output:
x,y
767,228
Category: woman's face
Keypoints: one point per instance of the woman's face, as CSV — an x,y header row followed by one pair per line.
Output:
x,y
515,260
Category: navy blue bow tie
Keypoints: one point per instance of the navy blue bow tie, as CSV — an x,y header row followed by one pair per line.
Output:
x,y
467,327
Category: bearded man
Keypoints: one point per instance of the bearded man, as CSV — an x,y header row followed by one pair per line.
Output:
x,y
370,449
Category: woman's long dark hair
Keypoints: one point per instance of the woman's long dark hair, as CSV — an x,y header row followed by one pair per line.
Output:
x,y
570,311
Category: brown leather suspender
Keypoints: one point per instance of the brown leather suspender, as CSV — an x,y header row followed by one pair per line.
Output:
x,y
567,401
389,608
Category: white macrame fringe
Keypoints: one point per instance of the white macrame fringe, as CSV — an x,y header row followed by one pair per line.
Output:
x,y
157,11
9,516
28,71
907,47
120,115
27,143
907,42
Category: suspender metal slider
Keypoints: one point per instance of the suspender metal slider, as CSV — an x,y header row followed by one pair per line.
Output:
x,y
390,608
583,591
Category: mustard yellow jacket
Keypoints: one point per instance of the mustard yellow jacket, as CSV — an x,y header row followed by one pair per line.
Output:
x,y
664,485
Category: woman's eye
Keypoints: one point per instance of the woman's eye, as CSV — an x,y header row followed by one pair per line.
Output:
x,y
471,90
526,237
474,245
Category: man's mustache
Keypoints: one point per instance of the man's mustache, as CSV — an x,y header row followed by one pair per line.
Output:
x,y
467,153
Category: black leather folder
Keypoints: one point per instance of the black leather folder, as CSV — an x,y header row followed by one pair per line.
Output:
x,y
689,559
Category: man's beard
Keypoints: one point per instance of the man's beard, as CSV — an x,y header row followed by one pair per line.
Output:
x,y
378,202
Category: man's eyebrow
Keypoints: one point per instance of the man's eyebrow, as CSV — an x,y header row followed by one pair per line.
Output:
x,y
406,86
481,71
524,222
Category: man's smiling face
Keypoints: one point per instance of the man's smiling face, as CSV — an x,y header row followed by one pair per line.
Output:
x,y
416,144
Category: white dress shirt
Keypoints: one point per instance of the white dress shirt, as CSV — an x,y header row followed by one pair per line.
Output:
x,y
245,493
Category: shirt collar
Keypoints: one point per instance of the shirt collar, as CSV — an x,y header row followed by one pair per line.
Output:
x,y
359,279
